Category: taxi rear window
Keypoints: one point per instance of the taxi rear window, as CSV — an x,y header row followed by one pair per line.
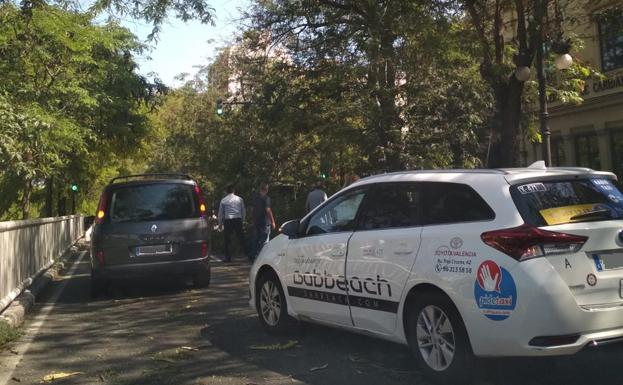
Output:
x,y
547,203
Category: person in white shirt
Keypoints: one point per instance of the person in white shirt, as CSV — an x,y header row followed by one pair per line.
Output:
x,y
231,213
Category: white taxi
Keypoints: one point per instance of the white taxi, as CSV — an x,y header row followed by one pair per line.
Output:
x,y
456,264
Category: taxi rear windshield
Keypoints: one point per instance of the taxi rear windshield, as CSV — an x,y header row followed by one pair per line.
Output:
x,y
548,203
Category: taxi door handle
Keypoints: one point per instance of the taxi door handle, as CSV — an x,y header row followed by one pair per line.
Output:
x,y
337,253
403,252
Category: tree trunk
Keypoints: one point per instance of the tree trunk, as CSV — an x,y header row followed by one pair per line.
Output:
x,y
382,82
507,121
25,204
49,200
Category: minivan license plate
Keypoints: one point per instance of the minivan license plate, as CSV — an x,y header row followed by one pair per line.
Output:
x,y
154,249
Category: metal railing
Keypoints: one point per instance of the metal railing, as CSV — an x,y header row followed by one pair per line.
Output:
x,y
29,247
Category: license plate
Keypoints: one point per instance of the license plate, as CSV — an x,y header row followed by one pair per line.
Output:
x,y
608,260
154,249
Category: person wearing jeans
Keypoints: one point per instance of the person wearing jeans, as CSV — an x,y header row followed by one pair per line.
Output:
x,y
263,219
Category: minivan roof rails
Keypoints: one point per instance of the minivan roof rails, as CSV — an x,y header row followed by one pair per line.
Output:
x,y
154,176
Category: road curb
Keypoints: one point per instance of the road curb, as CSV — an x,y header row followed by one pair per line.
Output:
x,y
16,312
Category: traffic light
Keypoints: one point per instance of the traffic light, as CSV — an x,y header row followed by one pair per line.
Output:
x,y
219,107
74,188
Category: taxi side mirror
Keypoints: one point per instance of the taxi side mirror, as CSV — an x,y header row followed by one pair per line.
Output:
x,y
290,228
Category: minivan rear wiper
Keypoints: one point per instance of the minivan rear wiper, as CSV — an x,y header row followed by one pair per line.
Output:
x,y
593,215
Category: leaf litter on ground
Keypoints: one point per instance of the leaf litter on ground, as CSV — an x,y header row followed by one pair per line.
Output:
x,y
278,346
321,367
174,355
60,375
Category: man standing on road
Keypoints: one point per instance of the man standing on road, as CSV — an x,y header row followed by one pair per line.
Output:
x,y
315,197
231,214
263,219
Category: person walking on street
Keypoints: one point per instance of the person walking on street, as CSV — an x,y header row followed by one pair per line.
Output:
x,y
263,219
231,213
315,197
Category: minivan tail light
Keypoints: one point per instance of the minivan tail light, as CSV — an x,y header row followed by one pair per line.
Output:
x,y
526,242
101,208
200,201
100,257
204,249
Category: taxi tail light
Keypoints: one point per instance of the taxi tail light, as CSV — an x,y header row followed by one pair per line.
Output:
x,y
100,215
201,201
526,242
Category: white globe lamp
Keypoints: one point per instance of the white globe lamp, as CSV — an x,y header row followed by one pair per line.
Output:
x,y
564,61
522,73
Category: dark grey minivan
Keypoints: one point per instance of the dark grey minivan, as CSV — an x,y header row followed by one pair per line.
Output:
x,y
150,225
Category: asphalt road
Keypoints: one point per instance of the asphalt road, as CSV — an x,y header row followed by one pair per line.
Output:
x,y
167,333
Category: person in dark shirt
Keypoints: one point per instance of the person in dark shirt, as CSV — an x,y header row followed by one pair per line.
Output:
x,y
263,219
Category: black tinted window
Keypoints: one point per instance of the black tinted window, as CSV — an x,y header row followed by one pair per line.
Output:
x,y
393,205
152,202
556,202
453,203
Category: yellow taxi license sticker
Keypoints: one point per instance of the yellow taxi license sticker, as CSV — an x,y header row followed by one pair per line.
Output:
x,y
558,215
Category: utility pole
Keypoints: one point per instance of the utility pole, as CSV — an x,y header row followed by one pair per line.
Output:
x,y
543,114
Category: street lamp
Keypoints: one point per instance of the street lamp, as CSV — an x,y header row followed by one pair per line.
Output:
x,y
563,61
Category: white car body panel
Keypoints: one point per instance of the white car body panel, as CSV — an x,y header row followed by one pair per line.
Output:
x,y
382,261
315,263
549,298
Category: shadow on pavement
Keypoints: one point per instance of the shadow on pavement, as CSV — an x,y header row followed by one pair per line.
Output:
x,y
166,333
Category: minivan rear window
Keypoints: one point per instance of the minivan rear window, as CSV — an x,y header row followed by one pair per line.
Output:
x,y
547,203
151,202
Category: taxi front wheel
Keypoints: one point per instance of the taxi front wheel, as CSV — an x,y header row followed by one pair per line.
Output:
x,y
439,341
271,305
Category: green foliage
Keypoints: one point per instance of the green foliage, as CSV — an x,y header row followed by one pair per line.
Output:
x,y
8,334
156,11
71,103
501,56
317,98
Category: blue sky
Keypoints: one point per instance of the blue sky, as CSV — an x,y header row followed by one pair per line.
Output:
x,y
181,46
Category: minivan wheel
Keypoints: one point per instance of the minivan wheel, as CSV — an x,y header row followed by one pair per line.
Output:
x,y
202,278
271,305
438,340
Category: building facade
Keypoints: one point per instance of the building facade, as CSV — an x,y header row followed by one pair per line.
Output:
x,y
591,134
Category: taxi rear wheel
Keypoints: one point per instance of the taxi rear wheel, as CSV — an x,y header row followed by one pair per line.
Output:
x,y
438,339
271,305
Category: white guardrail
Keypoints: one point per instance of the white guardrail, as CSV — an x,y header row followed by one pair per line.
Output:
x,y
29,247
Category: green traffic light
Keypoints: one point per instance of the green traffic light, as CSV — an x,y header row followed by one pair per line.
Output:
x,y
219,111
219,107
74,187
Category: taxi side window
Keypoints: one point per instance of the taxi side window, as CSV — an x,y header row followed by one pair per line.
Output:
x,y
338,215
454,203
392,205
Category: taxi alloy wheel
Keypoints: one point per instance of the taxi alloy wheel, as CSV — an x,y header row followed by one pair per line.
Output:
x,y
435,338
438,339
271,305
